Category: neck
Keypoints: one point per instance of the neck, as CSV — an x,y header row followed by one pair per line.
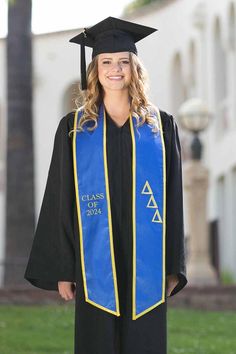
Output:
x,y
117,103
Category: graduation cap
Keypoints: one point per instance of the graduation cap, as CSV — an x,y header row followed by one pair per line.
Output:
x,y
109,36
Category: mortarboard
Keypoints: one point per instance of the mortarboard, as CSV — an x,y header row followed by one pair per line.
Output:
x,y
109,36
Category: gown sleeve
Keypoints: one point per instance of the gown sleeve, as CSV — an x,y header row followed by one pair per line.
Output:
x,y
52,256
175,245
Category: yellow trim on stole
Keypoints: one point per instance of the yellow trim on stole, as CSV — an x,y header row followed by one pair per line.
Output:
x,y
117,313
134,316
109,212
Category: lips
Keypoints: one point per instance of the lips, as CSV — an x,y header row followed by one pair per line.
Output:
x,y
117,77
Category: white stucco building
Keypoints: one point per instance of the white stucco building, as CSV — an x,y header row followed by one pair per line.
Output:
x,y
192,54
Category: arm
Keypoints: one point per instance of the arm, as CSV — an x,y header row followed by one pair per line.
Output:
x,y
52,256
175,248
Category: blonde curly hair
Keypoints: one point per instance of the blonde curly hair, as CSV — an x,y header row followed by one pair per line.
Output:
x,y
140,107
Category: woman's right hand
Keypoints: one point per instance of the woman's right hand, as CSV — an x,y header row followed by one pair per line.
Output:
x,y
67,290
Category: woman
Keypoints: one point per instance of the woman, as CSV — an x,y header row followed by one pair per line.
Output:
x,y
110,231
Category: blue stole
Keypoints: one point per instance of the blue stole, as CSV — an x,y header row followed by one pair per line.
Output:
x,y
95,219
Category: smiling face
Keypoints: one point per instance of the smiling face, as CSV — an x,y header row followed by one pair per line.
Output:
x,y
114,71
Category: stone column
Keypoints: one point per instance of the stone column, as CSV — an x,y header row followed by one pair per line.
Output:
x,y
200,270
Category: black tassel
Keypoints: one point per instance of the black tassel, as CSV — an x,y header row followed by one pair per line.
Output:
x,y
83,64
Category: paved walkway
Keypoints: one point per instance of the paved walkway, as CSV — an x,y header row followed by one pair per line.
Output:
x,y
218,298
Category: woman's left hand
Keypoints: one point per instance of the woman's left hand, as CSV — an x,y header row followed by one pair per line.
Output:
x,y
172,281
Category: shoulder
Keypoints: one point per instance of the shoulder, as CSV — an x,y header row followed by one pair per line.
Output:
x,y
166,118
66,123
68,120
168,121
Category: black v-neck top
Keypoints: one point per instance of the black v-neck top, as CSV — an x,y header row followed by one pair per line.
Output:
x,y
114,123
119,157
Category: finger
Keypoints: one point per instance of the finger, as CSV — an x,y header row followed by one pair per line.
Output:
x,y
66,297
66,291
71,290
65,294
171,288
168,290
69,295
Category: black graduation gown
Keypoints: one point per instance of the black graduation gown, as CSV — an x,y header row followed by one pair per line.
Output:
x,y
55,253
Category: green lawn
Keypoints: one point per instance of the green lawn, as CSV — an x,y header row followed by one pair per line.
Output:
x,y
201,332
49,330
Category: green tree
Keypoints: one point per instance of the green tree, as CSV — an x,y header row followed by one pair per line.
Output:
x,y
20,167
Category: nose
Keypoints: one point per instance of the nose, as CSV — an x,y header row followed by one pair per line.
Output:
x,y
116,67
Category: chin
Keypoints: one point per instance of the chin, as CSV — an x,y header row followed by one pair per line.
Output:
x,y
115,88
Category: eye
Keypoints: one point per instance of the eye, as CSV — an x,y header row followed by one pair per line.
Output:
x,y
125,61
106,62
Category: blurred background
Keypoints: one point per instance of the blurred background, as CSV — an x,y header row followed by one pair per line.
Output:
x,y
191,61
191,55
